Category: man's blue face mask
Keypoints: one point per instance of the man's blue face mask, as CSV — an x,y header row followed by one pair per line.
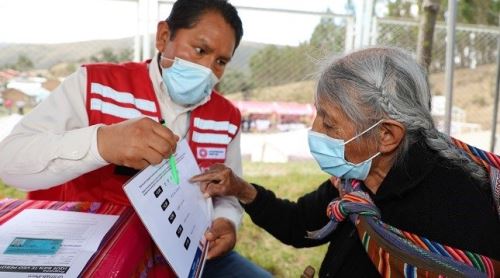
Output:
x,y
188,83
330,155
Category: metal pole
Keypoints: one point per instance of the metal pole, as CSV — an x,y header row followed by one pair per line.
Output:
x,y
495,104
137,36
374,32
358,28
349,34
367,22
146,39
450,57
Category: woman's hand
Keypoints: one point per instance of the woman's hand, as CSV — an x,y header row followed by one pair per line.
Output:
x,y
219,180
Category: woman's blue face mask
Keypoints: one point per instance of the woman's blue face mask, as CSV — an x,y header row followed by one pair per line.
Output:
x,y
188,83
330,155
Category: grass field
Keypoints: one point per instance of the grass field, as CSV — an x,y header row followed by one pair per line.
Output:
x,y
10,192
289,181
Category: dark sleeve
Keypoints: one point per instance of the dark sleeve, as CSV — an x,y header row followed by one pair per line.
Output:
x,y
289,221
450,208
467,217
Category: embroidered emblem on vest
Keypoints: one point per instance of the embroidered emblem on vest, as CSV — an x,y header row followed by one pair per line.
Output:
x,y
210,153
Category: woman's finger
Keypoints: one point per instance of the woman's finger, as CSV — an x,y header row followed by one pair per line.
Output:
x,y
207,176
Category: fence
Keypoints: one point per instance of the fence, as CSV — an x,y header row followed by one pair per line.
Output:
x,y
475,45
475,72
278,72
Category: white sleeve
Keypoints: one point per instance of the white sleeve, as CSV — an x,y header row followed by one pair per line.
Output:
x,y
53,143
229,207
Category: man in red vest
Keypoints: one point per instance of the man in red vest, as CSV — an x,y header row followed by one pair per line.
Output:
x,y
103,121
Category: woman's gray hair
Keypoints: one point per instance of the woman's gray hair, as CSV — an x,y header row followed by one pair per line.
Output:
x,y
381,82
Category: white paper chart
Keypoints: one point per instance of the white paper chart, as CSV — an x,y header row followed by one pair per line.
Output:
x,y
176,216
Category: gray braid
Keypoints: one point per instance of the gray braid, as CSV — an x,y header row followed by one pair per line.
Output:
x,y
377,83
442,143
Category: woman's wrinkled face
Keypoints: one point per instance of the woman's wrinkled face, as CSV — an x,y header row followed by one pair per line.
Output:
x,y
333,122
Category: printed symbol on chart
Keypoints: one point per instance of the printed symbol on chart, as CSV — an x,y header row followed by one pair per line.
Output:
x,y
179,231
171,218
165,204
158,191
186,243
168,181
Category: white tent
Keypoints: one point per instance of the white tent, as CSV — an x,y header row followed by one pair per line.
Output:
x,y
32,87
7,124
276,147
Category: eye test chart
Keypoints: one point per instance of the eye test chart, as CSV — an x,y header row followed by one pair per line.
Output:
x,y
175,215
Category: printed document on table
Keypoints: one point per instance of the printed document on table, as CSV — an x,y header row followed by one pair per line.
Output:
x,y
81,234
176,215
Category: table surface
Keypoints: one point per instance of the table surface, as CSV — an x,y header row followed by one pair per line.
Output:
x,y
127,249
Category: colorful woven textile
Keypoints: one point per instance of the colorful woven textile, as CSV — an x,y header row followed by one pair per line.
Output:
x,y
397,253
125,250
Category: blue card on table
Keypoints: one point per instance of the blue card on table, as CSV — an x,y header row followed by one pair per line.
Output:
x,y
33,246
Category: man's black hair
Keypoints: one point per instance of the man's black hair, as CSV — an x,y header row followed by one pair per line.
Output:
x,y
186,13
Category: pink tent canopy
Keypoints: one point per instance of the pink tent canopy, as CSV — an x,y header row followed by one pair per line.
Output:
x,y
280,108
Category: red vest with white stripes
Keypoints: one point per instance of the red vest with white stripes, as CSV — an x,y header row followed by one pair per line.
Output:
x,y
116,93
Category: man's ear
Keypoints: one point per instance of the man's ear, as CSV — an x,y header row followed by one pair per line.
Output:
x,y
162,35
391,135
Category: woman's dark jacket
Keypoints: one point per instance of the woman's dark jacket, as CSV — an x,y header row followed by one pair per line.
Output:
x,y
427,195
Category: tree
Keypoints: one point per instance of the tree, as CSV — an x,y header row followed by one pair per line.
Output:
x,y
235,81
430,9
476,11
275,65
264,66
105,55
468,11
280,65
108,55
399,8
23,63
126,54
327,36
472,48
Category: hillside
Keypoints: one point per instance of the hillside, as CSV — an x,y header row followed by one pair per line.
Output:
x,y
244,52
473,92
45,56
301,92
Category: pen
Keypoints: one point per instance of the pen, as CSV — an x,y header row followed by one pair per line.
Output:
x,y
172,162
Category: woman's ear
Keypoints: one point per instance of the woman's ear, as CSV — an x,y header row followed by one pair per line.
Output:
x,y
162,35
391,135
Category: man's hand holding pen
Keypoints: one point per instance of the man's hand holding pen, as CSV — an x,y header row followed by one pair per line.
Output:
x,y
136,143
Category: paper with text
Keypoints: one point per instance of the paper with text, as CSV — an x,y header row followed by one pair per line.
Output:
x,y
81,234
176,216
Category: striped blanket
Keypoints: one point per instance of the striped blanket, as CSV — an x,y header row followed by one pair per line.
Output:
x,y
126,250
398,253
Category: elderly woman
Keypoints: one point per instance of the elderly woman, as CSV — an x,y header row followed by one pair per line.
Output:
x,y
374,132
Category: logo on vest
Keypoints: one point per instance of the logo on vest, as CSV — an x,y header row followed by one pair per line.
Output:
x,y
210,153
